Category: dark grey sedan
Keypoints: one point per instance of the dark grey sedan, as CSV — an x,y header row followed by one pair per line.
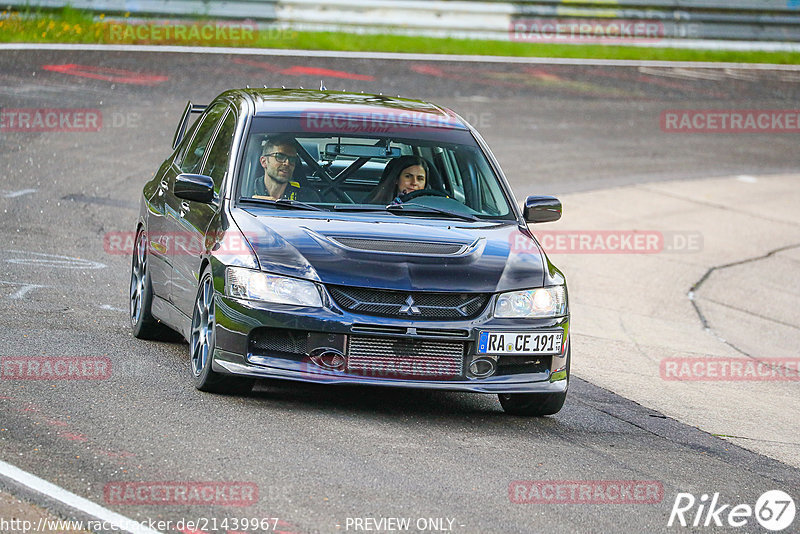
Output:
x,y
347,238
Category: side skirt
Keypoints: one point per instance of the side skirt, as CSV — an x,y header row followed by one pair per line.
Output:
x,y
171,316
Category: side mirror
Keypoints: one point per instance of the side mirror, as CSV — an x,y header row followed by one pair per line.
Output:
x,y
195,187
541,209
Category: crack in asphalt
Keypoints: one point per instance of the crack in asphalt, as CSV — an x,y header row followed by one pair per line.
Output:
x,y
696,286
632,339
693,290
770,319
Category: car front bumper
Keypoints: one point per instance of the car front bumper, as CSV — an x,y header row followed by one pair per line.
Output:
x,y
251,340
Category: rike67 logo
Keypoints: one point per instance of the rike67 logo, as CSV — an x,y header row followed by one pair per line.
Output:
x,y
774,510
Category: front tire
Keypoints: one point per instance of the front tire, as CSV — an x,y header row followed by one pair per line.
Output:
x,y
535,404
202,342
532,404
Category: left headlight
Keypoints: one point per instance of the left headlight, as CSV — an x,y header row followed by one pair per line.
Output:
x,y
255,285
539,302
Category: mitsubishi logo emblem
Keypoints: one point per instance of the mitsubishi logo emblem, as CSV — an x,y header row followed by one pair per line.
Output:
x,y
409,308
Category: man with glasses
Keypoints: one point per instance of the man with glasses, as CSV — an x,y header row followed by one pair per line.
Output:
x,y
279,159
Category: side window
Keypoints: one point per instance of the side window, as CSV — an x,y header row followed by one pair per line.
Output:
x,y
187,138
219,154
197,147
452,175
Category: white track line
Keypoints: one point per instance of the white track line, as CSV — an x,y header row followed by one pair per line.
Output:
x,y
73,501
393,56
15,194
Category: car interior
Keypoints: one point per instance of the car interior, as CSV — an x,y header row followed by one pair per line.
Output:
x,y
346,170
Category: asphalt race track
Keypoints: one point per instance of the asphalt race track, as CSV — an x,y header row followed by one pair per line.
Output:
x,y
322,457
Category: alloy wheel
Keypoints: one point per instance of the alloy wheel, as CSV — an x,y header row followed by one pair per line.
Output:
x,y
138,277
202,338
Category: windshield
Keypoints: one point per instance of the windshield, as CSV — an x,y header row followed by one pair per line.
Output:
x,y
436,173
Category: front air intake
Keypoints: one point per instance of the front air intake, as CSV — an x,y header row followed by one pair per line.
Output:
x,y
403,358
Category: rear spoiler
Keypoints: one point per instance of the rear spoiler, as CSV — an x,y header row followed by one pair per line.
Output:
x,y
181,130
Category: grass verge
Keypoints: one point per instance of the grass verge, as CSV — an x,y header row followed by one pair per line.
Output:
x,y
74,26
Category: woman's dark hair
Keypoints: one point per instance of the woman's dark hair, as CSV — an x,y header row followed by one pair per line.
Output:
x,y
386,190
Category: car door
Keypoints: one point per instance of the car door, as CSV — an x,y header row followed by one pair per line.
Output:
x,y
160,239
190,160
193,218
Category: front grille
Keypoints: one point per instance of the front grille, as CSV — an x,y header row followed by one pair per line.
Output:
x,y
277,342
359,328
404,247
417,305
403,358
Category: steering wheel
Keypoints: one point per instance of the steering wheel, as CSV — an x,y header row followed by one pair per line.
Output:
x,y
422,193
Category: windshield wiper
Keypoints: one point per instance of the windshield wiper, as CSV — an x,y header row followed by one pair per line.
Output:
x,y
419,208
283,203
357,207
404,208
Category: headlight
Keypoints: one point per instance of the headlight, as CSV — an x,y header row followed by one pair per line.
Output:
x,y
255,285
540,302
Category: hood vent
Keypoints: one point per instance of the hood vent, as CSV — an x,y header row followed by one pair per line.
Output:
x,y
402,247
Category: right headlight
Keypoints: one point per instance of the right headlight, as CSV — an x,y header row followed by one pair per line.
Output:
x,y
534,303
255,285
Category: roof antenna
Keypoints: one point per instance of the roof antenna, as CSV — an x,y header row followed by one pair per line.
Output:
x,y
322,86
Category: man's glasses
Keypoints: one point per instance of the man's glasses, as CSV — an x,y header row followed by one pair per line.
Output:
x,y
280,157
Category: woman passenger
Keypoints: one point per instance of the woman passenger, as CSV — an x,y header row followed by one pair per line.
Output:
x,y
402,175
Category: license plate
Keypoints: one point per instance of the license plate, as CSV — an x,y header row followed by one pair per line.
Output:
x,y
520,343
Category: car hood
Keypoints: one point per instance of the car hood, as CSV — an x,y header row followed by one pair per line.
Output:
x,y
385,251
